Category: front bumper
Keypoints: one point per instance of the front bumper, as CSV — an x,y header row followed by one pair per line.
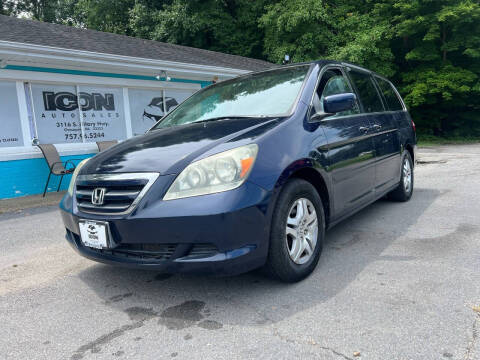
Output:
x,y
235,224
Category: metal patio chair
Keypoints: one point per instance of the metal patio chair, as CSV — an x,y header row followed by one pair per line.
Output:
x,y
104,145
55,164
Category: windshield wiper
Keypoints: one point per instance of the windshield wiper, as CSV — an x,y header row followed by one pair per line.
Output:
x,y
234,117
215,119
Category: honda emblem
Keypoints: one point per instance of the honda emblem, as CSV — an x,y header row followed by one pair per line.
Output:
x,y
98,195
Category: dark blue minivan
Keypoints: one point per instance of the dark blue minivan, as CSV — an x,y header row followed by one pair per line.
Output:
x,y
246,173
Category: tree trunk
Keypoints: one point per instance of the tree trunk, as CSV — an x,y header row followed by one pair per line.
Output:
x,y
444,38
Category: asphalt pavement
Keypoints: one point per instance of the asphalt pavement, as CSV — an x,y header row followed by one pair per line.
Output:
x,y
395,281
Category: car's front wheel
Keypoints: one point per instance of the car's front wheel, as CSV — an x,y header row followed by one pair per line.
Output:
x,y
297,233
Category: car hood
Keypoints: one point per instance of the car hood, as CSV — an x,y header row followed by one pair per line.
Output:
x,y
169,150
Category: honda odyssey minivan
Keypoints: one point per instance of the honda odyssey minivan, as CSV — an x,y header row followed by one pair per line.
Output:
x,y
246,173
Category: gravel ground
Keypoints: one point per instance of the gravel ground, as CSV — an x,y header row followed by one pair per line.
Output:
x,y
396,281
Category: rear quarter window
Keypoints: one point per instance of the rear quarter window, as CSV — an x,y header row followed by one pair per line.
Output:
x,y
391,97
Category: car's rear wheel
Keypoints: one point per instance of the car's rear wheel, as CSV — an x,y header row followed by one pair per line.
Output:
x,y
297,233
404,190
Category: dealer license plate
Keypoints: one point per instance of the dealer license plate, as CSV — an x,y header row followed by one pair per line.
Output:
x,y
94,234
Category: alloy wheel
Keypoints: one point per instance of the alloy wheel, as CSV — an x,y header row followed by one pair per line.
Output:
x,y
301,231
407,175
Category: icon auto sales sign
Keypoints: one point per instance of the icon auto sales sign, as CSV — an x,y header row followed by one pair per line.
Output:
x,y
60,114
66,101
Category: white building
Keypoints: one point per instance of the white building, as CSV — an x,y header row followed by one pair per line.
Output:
x,y
124,85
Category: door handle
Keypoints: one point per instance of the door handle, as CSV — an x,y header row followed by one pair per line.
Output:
x,y
376,127
363,129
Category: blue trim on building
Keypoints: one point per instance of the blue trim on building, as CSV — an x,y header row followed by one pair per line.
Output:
x,y
102,74
28,176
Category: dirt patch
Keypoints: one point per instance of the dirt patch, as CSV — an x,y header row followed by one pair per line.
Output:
x,y
429,161
28,202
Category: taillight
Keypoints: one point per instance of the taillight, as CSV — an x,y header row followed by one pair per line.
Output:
x,y
413,125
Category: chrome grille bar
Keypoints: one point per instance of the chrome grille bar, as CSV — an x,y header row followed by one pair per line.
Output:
x,y
122,191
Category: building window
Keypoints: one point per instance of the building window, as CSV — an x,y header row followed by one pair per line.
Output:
x,y
55,113
146,108
102,113
58,118
149,106
11,133
71,113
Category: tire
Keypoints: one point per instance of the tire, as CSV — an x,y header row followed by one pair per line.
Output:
x,y
403,192
296,195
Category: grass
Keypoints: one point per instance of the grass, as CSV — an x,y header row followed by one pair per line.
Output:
x,y
429,140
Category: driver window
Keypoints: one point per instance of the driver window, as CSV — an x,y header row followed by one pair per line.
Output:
x,y
333,82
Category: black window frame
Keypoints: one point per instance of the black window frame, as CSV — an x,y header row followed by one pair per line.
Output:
x,y
348,69
323,70
395,91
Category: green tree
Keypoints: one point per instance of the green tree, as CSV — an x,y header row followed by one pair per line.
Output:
x,y
313,29
431,49
104,15
229,26
221,25
55,11
437,49
44,10
5,7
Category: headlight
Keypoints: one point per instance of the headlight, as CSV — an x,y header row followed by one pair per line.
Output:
x,y
74,176
220,172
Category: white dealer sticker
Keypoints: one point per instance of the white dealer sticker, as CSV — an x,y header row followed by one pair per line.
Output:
x,y
93,234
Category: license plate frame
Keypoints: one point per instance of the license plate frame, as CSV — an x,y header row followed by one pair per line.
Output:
x,y
94,234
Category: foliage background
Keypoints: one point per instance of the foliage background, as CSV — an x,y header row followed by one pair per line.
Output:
x,y
429,48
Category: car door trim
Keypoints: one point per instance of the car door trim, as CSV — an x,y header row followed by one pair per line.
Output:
x,y
355,139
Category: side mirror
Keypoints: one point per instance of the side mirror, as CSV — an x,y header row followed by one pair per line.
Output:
x,y
338,103
334,104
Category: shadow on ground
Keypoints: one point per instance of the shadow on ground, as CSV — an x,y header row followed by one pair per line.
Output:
x,y
181,301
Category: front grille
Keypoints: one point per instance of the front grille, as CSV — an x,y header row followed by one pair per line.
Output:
x,y
121,192
141,251
118,198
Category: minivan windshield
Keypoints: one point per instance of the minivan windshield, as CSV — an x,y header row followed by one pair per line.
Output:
x,y
266,94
